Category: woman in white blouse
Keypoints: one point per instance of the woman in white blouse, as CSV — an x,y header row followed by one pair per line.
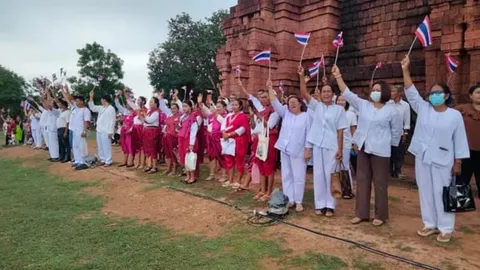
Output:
x,y
291,143
379,127
439,144
324,143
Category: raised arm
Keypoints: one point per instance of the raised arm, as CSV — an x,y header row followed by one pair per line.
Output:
x,y
120,107
303,85
254,100
91,104
411,92
349,96
66,94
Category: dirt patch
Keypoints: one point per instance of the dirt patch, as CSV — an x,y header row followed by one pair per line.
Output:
x,y
127,195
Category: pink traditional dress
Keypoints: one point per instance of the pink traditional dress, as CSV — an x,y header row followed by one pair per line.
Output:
x,y
235,123
214,135
151,134
128,146
170,138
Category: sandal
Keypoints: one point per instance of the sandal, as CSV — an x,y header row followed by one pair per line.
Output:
x,y
210,177
122,165
191,182
130,166
264,198
377,222
226,184
258,196
146,169
236,185
347,197
152,171
329,212
319,212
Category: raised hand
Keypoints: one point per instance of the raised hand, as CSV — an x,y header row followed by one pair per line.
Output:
x,y
92,94
301,71
406,63
336,71
269,84
200,98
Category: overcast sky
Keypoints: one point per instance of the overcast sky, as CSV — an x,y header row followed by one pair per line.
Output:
x,y
39,37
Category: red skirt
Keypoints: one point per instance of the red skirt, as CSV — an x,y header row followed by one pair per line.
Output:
x,y
183,148
214,148
269,166
170,145
160,145
151,135
238,160
126,142
253,151
137,138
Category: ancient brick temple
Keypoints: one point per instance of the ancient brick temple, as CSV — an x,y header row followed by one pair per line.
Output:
x,y
374,31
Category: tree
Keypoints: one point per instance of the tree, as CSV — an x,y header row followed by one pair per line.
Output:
x,y
188,55
12,91
97,67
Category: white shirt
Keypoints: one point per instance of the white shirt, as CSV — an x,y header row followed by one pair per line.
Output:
x,y
34,122
378,129
106,117
43,117
62,120
152,120
347,133
120,108
293,132
327,120
403,109
194,130
52,120
78,117
439,137
70,119
273,120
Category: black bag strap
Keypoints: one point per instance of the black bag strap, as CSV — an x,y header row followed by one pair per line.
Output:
x,y
454,181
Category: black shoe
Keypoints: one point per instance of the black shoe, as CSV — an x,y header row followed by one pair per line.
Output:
x,y
49,159
55,160
64,161
81,167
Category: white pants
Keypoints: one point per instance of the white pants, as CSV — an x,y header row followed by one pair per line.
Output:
x,y
37,137
53,147
430,180
293,177
44,135
346,163
79,147
324,164
104,145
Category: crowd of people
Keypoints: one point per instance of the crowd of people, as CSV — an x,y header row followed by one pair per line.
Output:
x,y
326,128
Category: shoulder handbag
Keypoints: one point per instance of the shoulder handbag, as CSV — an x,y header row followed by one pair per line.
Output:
x,y
458,198
262,148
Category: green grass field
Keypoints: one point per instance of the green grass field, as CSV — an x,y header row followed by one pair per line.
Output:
x,y
43,226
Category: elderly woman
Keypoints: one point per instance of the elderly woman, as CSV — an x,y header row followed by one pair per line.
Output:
x,y
439,144
379,127
291,144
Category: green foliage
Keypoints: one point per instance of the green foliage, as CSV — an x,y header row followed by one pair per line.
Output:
x,y
188,56
12,91
95,62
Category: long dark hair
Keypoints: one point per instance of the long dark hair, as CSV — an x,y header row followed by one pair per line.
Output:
x,y
446,90
157,102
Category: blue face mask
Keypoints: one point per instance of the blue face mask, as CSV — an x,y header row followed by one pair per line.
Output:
x,y
437,99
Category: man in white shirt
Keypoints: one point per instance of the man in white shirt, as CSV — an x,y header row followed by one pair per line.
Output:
x,y
403,108
79,122
105,128
62,131
44,123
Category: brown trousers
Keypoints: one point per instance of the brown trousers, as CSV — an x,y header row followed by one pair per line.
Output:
x,y
371,168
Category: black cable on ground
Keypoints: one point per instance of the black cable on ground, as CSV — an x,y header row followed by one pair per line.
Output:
x,y
274,220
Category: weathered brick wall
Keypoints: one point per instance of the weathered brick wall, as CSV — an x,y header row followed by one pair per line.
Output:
x,y
374,30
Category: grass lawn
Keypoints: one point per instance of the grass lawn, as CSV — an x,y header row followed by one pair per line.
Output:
x,y
48,223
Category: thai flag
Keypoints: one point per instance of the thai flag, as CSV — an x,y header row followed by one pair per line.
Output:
x,y
314,69
424,32
338,41
280,87
379,65
451,63
302,38
263,56
322,61
26,106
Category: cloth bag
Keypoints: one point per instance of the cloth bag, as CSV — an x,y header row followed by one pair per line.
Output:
x,y
458,198
228,147
336,183
345,181
255,174
263,140
190,161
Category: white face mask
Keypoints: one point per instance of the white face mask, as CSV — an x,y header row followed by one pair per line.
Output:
x,y
375,96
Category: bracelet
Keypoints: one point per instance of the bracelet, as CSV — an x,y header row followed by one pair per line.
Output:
x,y
339,76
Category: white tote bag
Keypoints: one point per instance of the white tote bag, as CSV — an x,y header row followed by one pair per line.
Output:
x,y
190,161
228,147
262,148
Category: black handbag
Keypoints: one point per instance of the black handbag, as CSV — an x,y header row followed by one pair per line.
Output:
x,y
458,198
345,182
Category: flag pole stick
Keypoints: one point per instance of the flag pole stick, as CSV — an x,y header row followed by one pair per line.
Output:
x,y
303,53
336,57
411,46
373,75
318,75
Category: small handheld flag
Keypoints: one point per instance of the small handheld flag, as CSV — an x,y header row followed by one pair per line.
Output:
x,y
338,43
262,56
302,38
451,63
238,71
280,87
423,33
314,69
54,77
378,66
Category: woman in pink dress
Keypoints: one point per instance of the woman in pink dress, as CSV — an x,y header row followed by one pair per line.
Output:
x,y
151,135
170,137
126,142
189,127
